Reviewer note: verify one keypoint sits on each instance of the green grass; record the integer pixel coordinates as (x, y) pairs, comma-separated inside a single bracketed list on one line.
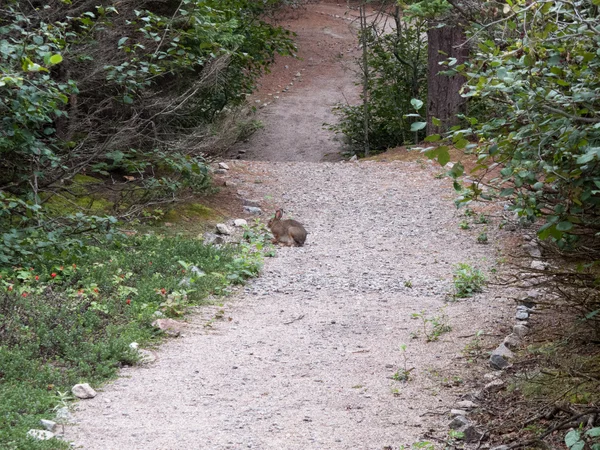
[(74, 323)]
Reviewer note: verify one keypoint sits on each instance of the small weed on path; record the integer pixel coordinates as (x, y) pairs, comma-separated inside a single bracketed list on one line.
[(433, 327), (467, 281)]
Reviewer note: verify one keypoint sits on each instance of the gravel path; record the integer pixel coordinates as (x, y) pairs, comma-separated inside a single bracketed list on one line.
[(307, 360)]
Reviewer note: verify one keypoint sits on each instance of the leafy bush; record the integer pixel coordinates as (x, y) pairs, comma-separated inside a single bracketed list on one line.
[(545, 126), (61, 324), (467, 280), (397, 68)]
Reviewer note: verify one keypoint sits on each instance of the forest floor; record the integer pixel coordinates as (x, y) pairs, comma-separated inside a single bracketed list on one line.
[(311, 355)]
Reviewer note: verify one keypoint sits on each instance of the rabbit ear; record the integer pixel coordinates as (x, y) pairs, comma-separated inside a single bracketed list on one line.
[(279, 214)]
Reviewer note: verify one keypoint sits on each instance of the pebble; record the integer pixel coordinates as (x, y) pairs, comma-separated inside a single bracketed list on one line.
[(240, 223), (466, 404), (40, 435), (520, 330), (83, 391), (223, 165), (223, 229), (253, 210), (49, 425), (64, 416), (458, 422)]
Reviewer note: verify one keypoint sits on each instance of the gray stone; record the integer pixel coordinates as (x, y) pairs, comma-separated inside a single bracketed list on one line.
[(533, 250), (458, 412), (223, 165), (520, 330), (223, 229), (298, 74), (512, 341), (498, 362), (83, 391), (354, 158), (472, 434), (250, 202), (494, 385), (538, 265), (466, 404), (64, 416), (458, 422), (522, 315), (503, 350), (213, 239), (253, 210), (146, 356), (49, 425), (40, 435), (242, 151), (240, 223)]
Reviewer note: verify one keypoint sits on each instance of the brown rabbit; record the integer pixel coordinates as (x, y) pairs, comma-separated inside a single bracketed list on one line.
[(287, 232)]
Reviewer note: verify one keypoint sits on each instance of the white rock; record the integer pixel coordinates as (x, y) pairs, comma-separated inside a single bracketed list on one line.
[(458, 412), (41, 435), (134, 345), (223, 165), (466, 404), (64, 416), (494, 385), (146, 356), (83, 390), (354, 158), (538, 265), (223, 229), (49, 425), (240, 222)]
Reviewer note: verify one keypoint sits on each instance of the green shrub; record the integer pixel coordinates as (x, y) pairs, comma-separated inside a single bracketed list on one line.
[(397, 67), (69, 323), (467, 280)]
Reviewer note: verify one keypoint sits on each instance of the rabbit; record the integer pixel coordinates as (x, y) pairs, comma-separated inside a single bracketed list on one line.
[(287, 232)]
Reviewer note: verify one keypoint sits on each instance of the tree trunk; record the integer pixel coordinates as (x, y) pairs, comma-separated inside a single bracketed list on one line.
[(443, 99)]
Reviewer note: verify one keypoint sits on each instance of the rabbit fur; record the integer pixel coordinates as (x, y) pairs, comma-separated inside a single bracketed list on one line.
[(287, 232)]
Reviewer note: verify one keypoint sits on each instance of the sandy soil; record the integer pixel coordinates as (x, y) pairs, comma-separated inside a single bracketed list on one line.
[(308, 359)]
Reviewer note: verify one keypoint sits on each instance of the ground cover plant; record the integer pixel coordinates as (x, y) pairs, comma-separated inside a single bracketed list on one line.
[(67, 322)]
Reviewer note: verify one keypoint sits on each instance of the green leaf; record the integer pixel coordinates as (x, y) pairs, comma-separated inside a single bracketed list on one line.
[(56, 59), (127, 100), (443, 156), (416, 103), (593, 432), (506, 192), (461, 143), (564, 226), (437, 122), (416, 126), (572, 437), (433, 138), (122, 41), (457, 170)]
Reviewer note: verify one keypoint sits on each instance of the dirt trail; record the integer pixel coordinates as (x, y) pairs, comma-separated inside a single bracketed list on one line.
[(293, 120), (308, 359)]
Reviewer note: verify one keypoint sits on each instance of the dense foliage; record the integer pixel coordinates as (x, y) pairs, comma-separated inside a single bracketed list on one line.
[(538, 70), (126, 93), (397, 66)]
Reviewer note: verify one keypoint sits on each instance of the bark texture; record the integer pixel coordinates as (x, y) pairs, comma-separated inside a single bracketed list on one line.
[(443, 98)]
